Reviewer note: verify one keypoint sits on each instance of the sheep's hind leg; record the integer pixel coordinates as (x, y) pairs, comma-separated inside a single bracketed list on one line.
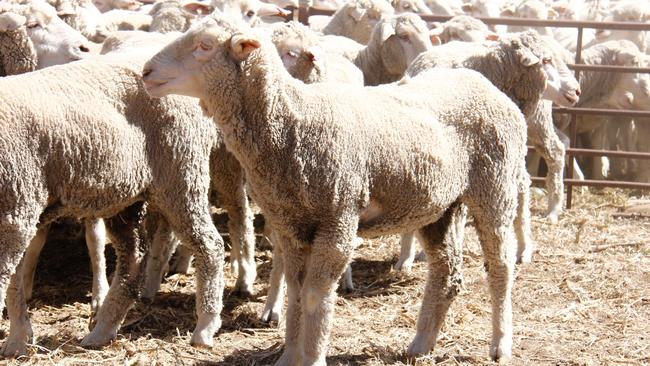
[(277, 288), (242, 237), (525, 243), (442, 243), (30, 259), (497, 240), (96, 243), (131, 248), (162, 246), (20, 329), (407, 252)]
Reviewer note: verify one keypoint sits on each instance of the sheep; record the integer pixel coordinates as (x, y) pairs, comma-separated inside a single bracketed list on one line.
[(118, 19), (174, 16), (526, 68), (299, 49), (356, 19), (329, 162), (608, 90), (83, 16), (108, 5), (461, 28), (411, 6), (81, 173), (394, 43), (625, 11), (17, 53), (250, 11), (54, 41)]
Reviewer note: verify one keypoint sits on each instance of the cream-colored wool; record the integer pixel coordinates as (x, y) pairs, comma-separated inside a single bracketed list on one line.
[(356, 19), (327, 162)]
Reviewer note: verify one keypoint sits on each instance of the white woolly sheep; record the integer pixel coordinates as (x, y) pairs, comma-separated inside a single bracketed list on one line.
[(54, 41), (462, 28), (17, 53), (80, 173), (175, 16), (327, 162), (411, 6), (626, 11), (357, 18), (250, 11), (394, 44), (118, 19), (83, 16)]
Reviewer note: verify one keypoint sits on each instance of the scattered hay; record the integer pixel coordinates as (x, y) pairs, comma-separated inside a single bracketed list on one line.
[(584, 301)]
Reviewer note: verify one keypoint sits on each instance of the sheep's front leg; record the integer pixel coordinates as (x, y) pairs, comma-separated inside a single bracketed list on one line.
[(294, 256), (442, 242), (20, 329), (330, 255), (276, 292), (96, 243), (242, 235), (525, 243), (130, 247)]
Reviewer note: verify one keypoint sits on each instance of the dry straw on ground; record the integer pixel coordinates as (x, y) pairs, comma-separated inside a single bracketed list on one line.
[(584, 301)]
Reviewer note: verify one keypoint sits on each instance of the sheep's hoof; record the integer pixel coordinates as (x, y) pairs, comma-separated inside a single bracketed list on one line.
[(418, 347), (501, 352), (95, 340), (243, 290), (404, 266), (525, 257), (207, 325), (421, 256), (15, 346), (287, 359), (271, 316)]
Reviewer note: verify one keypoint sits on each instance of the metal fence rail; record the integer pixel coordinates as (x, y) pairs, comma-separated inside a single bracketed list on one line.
[(303, 13)]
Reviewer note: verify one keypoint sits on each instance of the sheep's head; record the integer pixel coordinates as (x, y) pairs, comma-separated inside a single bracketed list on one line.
[(633, 89), (461, 28), (172, 16), (361, 16), (533, 50), (401, 38), (84, 16), (250, 11), (411, 6), (298, 49), (214, 46), (55, 41)]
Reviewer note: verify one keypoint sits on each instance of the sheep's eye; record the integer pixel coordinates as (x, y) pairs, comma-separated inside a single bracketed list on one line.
[(547, 61), (404, 36), (250, 13), (406, 6), (292, 54), (32, 25), (204, 46)]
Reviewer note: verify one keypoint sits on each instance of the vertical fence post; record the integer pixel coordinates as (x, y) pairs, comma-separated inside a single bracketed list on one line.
[(574, 125), (303, 11)]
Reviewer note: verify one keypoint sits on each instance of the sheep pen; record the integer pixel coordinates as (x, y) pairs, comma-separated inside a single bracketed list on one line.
[(583, 301)]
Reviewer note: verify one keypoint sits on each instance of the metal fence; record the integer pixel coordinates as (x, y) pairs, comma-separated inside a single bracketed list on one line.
[(303, 13)]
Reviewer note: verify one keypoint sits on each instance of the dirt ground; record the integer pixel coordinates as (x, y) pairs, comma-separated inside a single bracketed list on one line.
[(584, 301)]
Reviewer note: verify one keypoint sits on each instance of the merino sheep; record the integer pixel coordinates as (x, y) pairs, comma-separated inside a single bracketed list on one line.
[(66, 143), (394, 43), (328, 162), (17, 53), (250, 11), (462, 28), (357, 18), (175, 16), (527, 68), (83, 16), (54, 41), (301, 54), (411, 6), (626, 11)]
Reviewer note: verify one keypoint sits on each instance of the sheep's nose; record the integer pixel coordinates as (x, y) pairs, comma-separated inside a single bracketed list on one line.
[(83, 48), (578, 92), (146, 72)]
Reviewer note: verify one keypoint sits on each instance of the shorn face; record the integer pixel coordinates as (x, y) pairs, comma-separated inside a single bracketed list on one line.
[(213, 46)]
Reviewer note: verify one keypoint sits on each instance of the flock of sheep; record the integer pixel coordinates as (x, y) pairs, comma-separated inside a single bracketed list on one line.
[(286, 117)]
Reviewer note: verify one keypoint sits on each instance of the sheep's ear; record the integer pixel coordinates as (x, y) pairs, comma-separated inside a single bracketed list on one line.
[(268, 10), (435, 40), (527, 58), (11, 21), (356, 13), (242, 46), (492, 37), (317, 56), (386, 30), (197, 8)]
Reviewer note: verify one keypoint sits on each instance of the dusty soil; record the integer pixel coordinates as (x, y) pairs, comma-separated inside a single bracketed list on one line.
[(584, 301)]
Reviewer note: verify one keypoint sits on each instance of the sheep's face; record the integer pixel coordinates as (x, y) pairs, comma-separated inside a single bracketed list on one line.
[(250, 11), (633, 90), (402, 38), (463, 29), (84, 16), (561, 87), (55, 42), (212, 47)]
